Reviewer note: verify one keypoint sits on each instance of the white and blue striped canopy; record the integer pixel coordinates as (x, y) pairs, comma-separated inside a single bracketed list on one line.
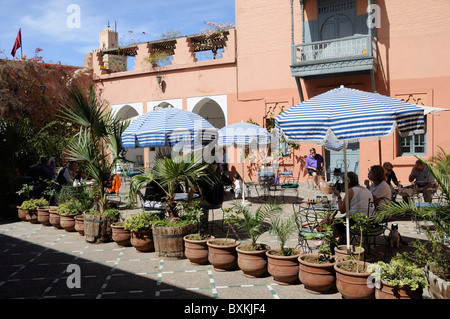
[(167, 127), (242, 134), (345, 114)]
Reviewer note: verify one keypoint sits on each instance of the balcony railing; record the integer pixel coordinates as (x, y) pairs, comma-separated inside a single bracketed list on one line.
[(351, 47)]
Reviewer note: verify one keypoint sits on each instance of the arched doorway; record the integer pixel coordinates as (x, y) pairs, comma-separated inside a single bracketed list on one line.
[(211, 111), (135, 155)]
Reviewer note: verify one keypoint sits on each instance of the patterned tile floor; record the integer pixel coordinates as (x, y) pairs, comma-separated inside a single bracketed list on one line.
[(40, 262)]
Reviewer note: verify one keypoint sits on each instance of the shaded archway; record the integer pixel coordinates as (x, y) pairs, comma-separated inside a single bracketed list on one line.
[(211, 111)]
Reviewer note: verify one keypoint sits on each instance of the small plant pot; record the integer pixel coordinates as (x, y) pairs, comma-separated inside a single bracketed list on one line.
[(222, 253), (387, 291), (196, 250), (55, 219), (317, 277), (68, 222), (22, 214), (283, 269), (352, 284), (142, 240), (121, 236), (253, 263), (32, 216), (79, 224), (341, 253), (44, 216)]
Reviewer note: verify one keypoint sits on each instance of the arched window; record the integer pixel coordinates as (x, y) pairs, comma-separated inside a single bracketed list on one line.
[(337, 26)]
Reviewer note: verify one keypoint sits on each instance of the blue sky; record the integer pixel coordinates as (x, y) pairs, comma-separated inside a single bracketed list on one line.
[(66, 36)]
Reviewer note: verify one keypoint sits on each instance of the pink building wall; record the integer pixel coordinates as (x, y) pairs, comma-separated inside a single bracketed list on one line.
[(254, 76)]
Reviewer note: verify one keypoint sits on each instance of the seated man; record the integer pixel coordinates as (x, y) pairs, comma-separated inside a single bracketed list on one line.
[(423, 180)]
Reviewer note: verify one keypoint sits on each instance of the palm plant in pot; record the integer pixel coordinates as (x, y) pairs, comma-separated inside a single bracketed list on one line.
[(317, 268), (434, 256), (252, 259), (171, 174), (196, 249), (283, 262), (351, 270), (222, 252)]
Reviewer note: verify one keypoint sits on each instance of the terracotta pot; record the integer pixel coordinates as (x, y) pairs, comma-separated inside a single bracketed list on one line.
[(387, 291), (68, 222), (55, 219), (283, 269), (253, 263), (341, 253), (353, 285), (196, 250), (438, 287), (320, 278), (44, 216), (121, 236), (22, 214), (32, 216), (222, 256), (79, 224), (142, 240)]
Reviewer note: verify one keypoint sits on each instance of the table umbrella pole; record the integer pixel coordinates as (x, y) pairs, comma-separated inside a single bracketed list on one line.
[(347, 217)]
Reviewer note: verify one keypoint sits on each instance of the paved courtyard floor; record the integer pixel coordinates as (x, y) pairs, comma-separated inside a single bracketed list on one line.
[(37, 262)]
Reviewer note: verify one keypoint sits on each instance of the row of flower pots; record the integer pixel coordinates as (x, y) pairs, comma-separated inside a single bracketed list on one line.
[(226, 254)]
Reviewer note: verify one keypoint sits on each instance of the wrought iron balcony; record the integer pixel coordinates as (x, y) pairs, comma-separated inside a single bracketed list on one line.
[(350, 54)]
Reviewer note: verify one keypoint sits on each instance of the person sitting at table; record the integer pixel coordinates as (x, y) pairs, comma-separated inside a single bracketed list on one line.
[(423, 181), (313, 165), (358, 198), (68, 174), (392, 178), (380, 190)]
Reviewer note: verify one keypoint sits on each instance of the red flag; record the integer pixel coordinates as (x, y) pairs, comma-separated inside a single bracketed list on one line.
[(17, 44)]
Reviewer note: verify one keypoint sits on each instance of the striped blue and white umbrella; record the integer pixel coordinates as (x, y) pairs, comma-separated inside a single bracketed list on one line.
[(345, 115), (243, 134), (167, 127)]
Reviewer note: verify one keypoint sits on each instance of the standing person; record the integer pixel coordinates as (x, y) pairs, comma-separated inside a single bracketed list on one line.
[(423, 180), (380, 190), (237, 185), (66, 175), (314, 164)]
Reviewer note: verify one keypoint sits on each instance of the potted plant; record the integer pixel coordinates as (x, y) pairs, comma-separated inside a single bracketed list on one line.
[(43, 212), (222, 252), (252, 259), (196, 249), (317, 268), (283, 262), (140, 225), (67, 212), (26, 189), (97, 225), (434, 256), (170, 175), (398, 279), (351, 270), (120, 235), (30, 208)]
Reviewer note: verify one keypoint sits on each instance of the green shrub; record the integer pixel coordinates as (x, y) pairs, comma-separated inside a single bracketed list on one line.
[(70, 207)]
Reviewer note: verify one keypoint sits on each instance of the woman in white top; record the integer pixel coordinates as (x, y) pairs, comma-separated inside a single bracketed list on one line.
[(237, 184), (358, 198), (380, 189)]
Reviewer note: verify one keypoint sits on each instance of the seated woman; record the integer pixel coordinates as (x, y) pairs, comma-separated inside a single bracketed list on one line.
[(358, 198), (380, 190)]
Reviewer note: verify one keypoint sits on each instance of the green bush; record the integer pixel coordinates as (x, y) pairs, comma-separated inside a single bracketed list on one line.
[(140, 221), (70, 207), (399, 272)]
